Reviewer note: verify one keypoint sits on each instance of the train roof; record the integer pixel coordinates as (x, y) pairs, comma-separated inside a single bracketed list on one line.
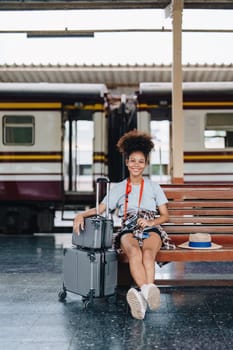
[(161, 93), (53, 90), (150, 88)]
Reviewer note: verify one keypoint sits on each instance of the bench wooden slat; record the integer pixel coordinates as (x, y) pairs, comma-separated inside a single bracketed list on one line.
[(216, 238), (201, 204), (179, 254), (204, 220), (198, 228), (194, 193), (201, 211)]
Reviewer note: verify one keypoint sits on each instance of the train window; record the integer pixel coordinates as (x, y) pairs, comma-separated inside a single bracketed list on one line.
[(85, 169), (18, 130), (215, 139), (218, 130)]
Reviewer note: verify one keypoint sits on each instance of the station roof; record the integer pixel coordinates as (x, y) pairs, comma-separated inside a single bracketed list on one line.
[(122, 78), (114, 76), (101, 4)]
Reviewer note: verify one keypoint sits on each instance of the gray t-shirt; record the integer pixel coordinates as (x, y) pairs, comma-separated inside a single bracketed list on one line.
[(152, 197)]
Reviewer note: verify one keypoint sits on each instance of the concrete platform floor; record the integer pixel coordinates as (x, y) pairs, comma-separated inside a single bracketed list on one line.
[(31, 317)]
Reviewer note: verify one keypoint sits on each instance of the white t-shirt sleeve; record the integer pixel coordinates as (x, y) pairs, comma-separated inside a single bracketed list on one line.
[(116, 196)]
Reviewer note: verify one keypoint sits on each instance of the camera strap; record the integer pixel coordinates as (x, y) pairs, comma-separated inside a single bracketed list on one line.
[(128, 189)]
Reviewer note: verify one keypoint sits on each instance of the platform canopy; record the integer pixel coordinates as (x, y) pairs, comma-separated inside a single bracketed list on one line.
[(10, 5), (121, 78)]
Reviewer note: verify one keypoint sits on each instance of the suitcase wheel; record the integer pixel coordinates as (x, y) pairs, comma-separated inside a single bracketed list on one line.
[(62, 295), (86, 303)]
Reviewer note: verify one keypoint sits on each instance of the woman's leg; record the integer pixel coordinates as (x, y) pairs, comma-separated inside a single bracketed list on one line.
[(149, 290), (150, 248), (131, 248), (136, 301)]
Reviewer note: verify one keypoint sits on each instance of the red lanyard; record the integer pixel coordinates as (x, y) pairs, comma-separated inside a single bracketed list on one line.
[(128, 189)]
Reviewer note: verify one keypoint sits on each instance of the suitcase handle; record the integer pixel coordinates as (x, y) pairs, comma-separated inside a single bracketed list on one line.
[(103, 179)]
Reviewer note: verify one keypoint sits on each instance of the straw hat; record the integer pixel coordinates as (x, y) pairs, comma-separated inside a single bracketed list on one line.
[(200, 241)]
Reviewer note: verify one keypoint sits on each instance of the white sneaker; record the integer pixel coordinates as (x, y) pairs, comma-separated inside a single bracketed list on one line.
[(137, 303), (151, 294)]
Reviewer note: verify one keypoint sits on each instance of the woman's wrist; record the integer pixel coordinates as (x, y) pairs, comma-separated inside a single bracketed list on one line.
[(153, 222), (80, 215)]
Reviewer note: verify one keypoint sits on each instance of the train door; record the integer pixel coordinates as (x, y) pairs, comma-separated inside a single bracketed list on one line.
[(78, 150), (84, 155)]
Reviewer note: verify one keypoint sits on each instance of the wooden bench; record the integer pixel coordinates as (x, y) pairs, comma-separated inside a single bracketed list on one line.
[(192, 209)]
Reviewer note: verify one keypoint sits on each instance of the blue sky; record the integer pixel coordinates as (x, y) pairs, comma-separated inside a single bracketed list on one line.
[(115, 48)]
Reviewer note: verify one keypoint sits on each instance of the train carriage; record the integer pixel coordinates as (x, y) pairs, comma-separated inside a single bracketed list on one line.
[(36, 151), (56, 139), (208, 127)]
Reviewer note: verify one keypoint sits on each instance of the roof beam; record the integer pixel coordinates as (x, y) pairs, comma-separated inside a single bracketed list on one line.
[(89, 33), (19, 5)]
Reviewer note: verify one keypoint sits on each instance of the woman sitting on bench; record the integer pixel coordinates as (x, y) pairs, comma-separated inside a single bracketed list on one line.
[(141, 237)]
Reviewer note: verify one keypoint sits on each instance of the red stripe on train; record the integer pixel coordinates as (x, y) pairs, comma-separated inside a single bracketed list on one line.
[(31, 190)]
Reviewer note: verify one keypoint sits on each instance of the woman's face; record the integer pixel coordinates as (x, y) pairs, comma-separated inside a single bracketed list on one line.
[(136, 163)]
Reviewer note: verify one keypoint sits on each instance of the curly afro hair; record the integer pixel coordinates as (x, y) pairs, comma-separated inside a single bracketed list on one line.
[(134, 141)]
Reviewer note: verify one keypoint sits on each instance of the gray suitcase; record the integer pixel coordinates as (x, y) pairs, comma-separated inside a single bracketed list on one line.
[(89, 273), (98, 230)]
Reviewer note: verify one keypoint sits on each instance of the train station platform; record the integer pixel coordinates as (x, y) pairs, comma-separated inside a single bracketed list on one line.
[(31, 316)]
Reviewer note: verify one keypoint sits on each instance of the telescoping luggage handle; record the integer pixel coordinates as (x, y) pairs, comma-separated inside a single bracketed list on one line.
[(105, 180)]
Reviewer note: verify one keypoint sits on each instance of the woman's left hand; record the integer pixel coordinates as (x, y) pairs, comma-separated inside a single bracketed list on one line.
[(144, 223)]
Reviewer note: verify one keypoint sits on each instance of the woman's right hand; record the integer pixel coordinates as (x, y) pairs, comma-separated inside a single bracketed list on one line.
[(79, 218), (78, 223)]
